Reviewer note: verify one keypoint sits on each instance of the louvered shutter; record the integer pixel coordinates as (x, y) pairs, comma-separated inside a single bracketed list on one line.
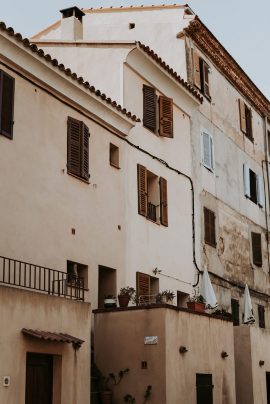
[(206, 87), (246, 177), (242, 112), (260, 191), (149, 108), (163, 202), (74, 146), (142, 190), (256, 249), (165, 116), (207, 150), (143, 284), (85, 152), (7, 84), (196, 70), (209, 227)]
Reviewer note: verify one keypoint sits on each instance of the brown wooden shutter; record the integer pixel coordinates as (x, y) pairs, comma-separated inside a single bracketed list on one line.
[(209, 227), (261, 311), (256, 249), (196, 70), (163, 202), (142, 190), (142, 284), (149, 107), (74, 146), (85, 152), (206, 87), (242, 112), (7, 85), (165, 116)]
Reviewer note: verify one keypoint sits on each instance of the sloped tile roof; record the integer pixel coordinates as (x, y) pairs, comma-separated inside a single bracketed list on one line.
[(53, 337)]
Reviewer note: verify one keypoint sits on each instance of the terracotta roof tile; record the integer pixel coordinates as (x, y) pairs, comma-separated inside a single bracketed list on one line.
[(67, 71), (53, 336)]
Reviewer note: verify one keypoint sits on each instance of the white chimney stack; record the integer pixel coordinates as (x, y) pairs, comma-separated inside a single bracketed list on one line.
[(71, 23)]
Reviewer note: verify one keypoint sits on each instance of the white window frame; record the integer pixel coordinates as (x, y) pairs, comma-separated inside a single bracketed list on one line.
[(211, 166)]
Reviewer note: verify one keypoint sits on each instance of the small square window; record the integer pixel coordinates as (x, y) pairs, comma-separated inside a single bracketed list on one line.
[(114, 155), (131, 25)]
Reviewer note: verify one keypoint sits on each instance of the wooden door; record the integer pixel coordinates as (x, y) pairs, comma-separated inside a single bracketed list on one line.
[(268, 387), (204, 388), (39, 378)]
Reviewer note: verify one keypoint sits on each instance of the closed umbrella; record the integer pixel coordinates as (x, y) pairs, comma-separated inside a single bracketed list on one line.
[(207, 291), (248, 310)]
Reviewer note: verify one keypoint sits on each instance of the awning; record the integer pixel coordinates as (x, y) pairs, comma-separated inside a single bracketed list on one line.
[(54, 337)]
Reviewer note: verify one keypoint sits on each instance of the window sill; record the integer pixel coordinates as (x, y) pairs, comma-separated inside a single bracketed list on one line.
[(7, 135), (214, 245), (115, 166), (152, 221), (208, 168), (78, 178)]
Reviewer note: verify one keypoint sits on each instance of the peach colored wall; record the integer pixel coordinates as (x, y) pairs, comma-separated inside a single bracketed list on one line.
[(24, 309)]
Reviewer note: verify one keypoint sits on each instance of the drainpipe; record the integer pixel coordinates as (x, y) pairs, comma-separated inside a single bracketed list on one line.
[(266, 186)]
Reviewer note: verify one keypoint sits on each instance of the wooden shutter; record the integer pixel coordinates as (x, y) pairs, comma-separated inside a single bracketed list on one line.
[(7, 84), (142, 284), (196, 70), (165, 116), (235, 311), (149, 107), (206, 87), (207, 150), (242, 112), (163, 201), (257, 249), (261, 314), (74, 146), (260, 191), (246, 177), (85, 152), (142, 190), (209, 227)]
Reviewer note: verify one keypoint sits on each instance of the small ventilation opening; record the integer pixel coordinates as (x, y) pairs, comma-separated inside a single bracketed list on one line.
[(132, 25), (72, 12)]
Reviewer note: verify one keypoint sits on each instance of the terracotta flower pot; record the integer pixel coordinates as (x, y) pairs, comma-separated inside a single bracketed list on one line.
[(196, 306), (106, 397), (123, 300)]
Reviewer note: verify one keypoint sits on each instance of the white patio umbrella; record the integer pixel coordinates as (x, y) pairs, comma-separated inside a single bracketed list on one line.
[(248, 310), (207, 291)]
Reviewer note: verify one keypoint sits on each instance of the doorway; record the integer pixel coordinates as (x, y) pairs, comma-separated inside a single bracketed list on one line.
[(39, 379), (106, 284), (268, 387), (204, 388)]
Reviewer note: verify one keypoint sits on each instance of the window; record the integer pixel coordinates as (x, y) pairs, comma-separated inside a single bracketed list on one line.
[(268, 138), (253, 186), (245, 119), (147, 288), (201, 75), (235, 311), (76, 272), (261, 311), (157, 119), (209, 227), (256, 249), (78, 149), (114, 155), (152, 196), (7, 84), (204, 388), (207, 150)]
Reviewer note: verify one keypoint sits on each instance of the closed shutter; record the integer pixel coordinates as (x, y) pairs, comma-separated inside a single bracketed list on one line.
[(165, 116), (196, 70), (142, 284), (85, 152), (7, 84), (260, 191), (163, 201), (246, 177), (257, 249), (206, 87), (261, 311), (209, 227), (74, 146), (235, 312), (149, 108), (142, 190), (242, 112), (207, 150)]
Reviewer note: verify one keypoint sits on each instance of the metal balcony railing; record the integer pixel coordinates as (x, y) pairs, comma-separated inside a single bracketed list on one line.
[(152, 212), (45, 280)]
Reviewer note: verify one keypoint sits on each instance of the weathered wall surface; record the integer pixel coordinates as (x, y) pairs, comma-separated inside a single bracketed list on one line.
[(24, 309)]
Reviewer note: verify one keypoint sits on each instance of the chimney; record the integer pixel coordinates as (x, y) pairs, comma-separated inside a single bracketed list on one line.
[(71, 23)]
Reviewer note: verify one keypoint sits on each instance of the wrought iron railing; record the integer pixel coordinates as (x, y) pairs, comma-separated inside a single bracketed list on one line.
[(45, 280), (152, 212)]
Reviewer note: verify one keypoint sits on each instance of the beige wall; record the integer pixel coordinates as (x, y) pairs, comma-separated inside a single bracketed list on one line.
[(24, 309), (172, 375)]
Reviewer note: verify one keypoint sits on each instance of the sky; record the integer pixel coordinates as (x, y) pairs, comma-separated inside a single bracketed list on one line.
[(241, 27)]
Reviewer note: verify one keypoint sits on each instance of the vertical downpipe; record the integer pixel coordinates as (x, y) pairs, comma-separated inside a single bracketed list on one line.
[(266, 147)]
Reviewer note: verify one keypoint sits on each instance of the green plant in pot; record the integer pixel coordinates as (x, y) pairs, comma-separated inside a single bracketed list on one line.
[(196, 301), (125, 295), (165, 297), (109, 301), (107, 383)]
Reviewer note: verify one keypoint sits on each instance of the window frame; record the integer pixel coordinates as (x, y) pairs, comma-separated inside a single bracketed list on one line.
[(235, 314), (256, 260), (208, 167), (8, 135), (261, 315), (211, 214), (114, 149)]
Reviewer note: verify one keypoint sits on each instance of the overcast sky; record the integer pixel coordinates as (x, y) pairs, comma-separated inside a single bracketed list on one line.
[(242, 26)]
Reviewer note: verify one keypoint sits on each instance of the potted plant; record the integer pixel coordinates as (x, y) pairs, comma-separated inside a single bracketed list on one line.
[(222, 313), (196, 302), (109, 301), (106, 393), (165, 297), (125, 295)]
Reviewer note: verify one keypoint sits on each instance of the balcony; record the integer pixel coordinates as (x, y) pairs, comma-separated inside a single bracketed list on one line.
[(41, 279)]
